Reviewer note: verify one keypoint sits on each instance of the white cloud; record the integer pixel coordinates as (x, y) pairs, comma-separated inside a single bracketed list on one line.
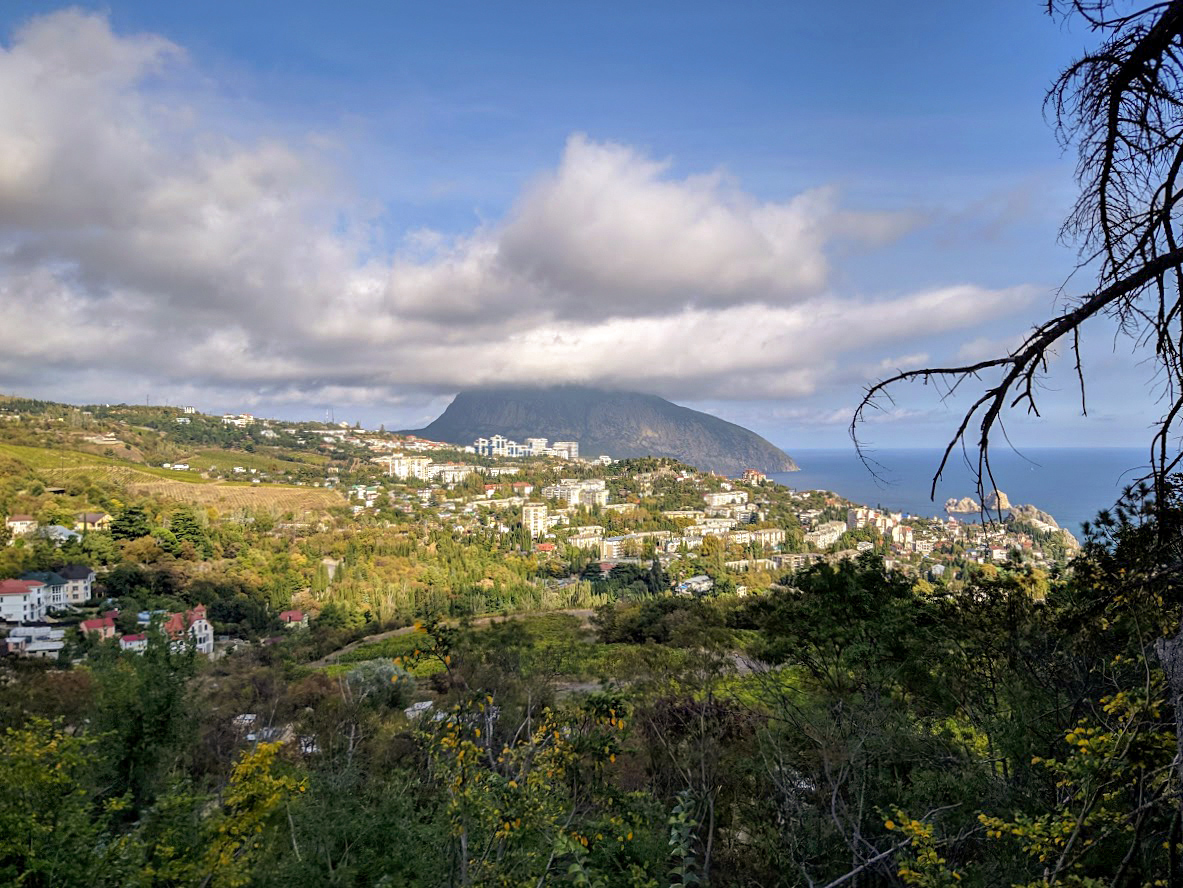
[(139, 239)]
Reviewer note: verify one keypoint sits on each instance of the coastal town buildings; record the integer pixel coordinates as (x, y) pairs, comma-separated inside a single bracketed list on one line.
[(21, 525), (22, 601), (534, 519)]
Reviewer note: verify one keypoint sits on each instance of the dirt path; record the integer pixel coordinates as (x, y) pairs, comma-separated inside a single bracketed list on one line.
[(584, 614)]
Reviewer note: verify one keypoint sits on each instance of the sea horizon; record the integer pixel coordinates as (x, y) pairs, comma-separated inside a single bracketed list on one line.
[(1072, 484)]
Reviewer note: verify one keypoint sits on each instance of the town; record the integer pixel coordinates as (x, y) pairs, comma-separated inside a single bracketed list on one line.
[(565, 522)]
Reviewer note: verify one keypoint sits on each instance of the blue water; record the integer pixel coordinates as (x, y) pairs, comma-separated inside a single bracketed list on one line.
[(1070, 483)]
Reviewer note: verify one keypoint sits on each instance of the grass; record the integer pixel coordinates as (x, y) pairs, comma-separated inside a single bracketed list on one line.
[(58, 461), (263, 461), (53, 458), (397, 646), (187, 487)]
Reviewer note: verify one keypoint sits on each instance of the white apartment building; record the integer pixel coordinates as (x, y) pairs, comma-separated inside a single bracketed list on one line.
[(770, 537), (574, 492), (569, 448), (499, 445), (585, 540), (399, 465), (725, 498), (534, 519), (450, 473), (56, 590), (22, 601), (827, 534)]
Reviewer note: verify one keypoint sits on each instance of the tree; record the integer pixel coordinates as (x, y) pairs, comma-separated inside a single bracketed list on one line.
[(258, 791), (657, 579), (130, 524), (47, 834), (1119, 106), (144, 708), (185, 526)]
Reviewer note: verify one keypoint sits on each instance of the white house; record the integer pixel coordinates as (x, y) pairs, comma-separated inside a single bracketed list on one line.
[(21, 525), (137, 643), (56, 588), (22, 601), (195, 623)]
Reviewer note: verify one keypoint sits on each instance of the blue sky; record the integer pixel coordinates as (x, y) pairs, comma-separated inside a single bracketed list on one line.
[(749, 208)]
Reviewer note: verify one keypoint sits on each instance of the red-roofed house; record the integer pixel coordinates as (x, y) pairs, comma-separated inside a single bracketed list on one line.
[(292, 618), (195, 623), (137, 643), (22, 601), (104, 626)]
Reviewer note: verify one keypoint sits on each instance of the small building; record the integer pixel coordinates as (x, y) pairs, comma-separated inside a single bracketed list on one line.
[(79, 582), (85, 521), (41, 642), (696, 585), (58, 534), (103, 627), (194, 623), (21, 525), (293, 618), (137, 643)]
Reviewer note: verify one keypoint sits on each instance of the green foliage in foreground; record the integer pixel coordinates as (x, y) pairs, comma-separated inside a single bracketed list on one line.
[(852, 728)]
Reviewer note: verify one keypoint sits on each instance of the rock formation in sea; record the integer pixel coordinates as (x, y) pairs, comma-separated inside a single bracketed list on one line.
[(996, 501)]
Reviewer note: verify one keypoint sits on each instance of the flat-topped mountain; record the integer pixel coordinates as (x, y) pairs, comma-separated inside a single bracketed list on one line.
[(616, 424)]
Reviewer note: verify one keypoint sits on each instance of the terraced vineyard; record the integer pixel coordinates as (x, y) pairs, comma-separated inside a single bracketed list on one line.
[(233, 497), (264, 460)]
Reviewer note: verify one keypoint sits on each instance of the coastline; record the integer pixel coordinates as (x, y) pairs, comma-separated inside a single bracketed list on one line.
[(1070, 484)]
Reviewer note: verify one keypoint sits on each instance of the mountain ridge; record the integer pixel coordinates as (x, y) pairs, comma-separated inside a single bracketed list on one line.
[(615, 423)]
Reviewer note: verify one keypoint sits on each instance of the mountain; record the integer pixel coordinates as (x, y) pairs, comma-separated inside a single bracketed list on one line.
[(616, 424)]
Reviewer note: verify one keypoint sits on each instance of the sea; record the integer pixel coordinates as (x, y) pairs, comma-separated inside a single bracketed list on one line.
[(1071, 484)]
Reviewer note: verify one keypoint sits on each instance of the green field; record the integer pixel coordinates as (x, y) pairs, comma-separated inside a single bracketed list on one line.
[(52, 461), (226, 460)]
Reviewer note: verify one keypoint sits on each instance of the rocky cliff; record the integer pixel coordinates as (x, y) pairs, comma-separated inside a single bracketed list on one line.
[(996, 501), (616, 424)]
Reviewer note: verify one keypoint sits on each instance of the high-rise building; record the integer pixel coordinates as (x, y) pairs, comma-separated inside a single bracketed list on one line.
[(534, 519), (571, 448)]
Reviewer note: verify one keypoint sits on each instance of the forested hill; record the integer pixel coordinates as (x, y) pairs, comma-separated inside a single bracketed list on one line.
[(618, 424)]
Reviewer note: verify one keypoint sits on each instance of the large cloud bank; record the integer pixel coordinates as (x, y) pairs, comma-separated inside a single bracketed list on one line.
[(140, 240)]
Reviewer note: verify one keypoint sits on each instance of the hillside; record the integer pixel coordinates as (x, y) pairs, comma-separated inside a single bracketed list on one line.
[(60, 466), (617, 424)]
